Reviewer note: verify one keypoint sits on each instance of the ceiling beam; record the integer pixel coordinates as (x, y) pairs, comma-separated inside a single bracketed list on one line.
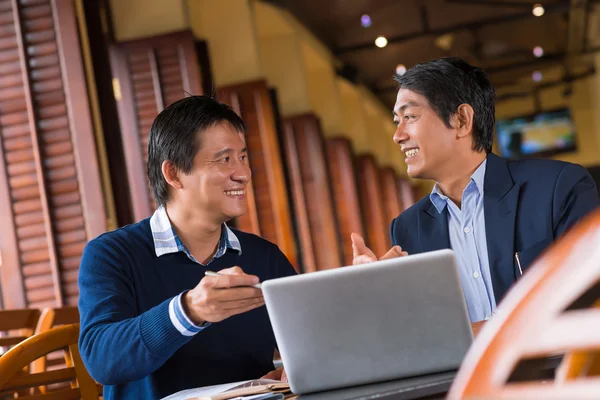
[(491, 3), (550, 58), (561, 7)]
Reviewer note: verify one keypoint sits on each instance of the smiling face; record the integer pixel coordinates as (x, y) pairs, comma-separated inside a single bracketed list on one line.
[(428, 144), (216, 185)]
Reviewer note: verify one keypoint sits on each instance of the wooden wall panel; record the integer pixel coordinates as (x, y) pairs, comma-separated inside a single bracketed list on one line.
[(407, 194), (151, 73), (371, 198), (268, 206), (51, 199), (391, 194), (345, 193), (311, 187)]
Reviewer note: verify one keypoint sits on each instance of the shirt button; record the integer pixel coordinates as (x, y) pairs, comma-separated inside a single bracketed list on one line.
[(475, 274), (467, 229)]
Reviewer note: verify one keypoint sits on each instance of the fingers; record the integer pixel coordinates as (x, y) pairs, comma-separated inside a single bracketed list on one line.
[(358, 244), (394, 252), (230, 277)]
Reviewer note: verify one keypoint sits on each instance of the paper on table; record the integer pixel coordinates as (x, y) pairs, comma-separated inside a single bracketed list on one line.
[(209, 391)]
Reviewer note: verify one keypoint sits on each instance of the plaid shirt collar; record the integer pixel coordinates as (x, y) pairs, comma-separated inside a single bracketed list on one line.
[(166, 240)]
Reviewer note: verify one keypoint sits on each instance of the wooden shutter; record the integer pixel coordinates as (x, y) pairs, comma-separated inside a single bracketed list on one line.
[(51, 200), (345, 193), (268, 206), (391, 194), (372, 205), (311, 188), (151, 74)]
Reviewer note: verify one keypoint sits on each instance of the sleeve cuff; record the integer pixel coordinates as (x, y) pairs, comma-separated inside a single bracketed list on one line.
[(180, 320)]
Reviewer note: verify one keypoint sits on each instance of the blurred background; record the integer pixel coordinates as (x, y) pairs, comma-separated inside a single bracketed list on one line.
[(81, 82)]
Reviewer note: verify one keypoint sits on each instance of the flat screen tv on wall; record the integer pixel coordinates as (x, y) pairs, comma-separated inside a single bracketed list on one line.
[(536, 135)]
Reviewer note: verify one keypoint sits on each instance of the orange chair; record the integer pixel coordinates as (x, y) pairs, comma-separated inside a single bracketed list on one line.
[(16, 326), (536, 319), (24, 353)]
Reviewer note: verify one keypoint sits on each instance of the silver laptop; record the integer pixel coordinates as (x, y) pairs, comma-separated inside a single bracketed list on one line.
[(370, 323)]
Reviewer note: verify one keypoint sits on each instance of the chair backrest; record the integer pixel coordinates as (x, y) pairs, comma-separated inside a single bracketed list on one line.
[(16, 326), (536, 319), (51, 317), (11, 363)]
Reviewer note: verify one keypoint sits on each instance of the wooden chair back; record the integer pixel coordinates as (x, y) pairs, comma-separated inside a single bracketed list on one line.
[(66, 336), (16, 326), (536, 319)]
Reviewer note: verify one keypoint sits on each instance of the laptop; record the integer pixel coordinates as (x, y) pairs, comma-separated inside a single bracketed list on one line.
[(370, 323)]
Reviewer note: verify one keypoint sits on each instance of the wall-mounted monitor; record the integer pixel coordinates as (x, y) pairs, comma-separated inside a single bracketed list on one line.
[(537, 135)]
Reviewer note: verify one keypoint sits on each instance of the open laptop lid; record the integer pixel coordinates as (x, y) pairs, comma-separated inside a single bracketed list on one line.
[(370, 323)]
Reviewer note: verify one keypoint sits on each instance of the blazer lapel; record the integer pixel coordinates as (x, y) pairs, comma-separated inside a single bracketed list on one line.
[(433, 228), (500, 201)]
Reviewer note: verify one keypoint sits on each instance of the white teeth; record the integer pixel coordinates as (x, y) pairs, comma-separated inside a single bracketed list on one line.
[(411, 153), (235, 192)]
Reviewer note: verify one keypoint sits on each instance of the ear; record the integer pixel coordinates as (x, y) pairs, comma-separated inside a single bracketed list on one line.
[(464, 120), (171, 174)]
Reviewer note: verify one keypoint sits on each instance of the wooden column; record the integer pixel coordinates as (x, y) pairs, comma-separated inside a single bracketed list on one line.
[(340, 160), (391, 194), (406, 192), (51, 199), (268, 205), (311, 188), (151, 74), (372, 205)]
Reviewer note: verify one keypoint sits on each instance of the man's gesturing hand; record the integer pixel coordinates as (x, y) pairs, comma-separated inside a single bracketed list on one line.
[(363, 255), (217, 298)]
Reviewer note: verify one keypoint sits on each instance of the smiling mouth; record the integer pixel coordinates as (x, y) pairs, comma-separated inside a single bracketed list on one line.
[(411, 153), (235, 192)]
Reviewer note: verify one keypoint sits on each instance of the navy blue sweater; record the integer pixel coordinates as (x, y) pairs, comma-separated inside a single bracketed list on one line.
[(127, 340)]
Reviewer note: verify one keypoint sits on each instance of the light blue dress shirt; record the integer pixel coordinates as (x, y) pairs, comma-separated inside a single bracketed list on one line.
[(466, 228)]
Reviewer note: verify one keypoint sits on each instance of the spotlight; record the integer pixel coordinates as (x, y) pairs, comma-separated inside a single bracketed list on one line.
[(538, 10), (538, 51), (381, 42), (365, 21), (537, 76), (400, 69)]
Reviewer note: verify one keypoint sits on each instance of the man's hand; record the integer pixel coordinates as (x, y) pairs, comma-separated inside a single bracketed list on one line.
[(217, 298), (363, 255), (278, 375)]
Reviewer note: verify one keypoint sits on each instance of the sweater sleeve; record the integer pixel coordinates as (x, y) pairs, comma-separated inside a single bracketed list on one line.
[(116, 344)]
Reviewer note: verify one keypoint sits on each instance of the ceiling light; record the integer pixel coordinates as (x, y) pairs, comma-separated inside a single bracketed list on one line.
[(538, 10), (365, 21), (400, 69), (537, 76), (381, 42), (538, 51)]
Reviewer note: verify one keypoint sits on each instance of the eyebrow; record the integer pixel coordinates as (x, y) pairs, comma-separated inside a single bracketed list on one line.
[(228, 150), (405, 106)]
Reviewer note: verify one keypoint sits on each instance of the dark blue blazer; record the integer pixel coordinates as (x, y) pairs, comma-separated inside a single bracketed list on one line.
[(527, 205)]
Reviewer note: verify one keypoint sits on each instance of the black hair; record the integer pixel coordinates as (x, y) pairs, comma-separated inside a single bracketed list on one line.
[(174, 136), (447, 83)]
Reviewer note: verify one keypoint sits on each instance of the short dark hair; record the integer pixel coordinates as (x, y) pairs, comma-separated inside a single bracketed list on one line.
[(447, 83), (174, 136)]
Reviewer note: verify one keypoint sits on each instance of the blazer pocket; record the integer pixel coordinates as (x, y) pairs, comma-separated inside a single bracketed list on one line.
[(530, 254)]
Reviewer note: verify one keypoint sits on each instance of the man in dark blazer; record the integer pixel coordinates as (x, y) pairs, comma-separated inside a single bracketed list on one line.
[(497, 215)]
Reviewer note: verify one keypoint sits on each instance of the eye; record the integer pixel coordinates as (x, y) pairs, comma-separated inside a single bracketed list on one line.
[(226, 159), (409, 116), (244, 157)]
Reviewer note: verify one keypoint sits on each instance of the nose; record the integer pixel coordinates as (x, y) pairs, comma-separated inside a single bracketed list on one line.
[(400, 136), (241, 173)]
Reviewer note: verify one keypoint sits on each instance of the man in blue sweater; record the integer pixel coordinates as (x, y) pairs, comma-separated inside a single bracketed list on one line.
[(152, 323)]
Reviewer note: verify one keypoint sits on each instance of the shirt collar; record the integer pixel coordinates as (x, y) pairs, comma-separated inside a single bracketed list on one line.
[(440, 200), (166, 240)]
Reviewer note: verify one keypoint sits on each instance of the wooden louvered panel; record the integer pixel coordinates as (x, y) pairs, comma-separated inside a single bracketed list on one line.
[(152, 74), (48, 175), (313, 204), (406, 193), (268, 206), (345, 193), (372, 205), (390, 191)]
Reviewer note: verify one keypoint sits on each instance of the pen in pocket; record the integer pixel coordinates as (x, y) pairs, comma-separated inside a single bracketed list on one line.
[(518, 262)]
